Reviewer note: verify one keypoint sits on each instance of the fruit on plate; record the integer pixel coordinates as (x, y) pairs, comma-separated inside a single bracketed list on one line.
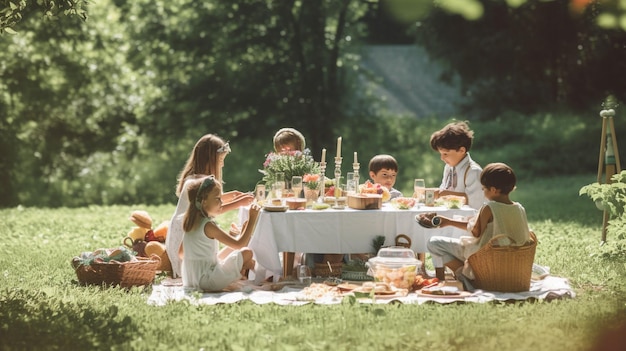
[(322, 206), (403, 203), (421, 282), (451, 201), (374, 188), (331, 191)]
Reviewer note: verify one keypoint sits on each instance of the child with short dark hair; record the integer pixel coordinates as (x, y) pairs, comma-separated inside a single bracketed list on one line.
[(289, 139), (499, 215), (383, 169), (460, 174)]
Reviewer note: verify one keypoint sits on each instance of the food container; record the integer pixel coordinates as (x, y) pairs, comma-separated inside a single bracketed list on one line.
[(396, 266), (365, 201), (295, 203)]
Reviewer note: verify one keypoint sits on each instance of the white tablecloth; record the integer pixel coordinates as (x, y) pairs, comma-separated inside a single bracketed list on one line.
[(338, 231)]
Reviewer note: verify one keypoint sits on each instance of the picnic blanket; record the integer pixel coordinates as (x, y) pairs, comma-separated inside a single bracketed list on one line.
[(289, 293)]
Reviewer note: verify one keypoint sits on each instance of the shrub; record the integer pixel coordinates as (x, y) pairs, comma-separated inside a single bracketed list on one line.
[(612, 198)]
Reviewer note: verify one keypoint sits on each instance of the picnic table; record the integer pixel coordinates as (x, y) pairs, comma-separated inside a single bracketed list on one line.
[(333, 231)]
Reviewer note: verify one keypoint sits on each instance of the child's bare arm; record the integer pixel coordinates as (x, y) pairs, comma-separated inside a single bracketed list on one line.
[(212, 231), (482, 219), (445, 221), (243, 199), (229, 196)]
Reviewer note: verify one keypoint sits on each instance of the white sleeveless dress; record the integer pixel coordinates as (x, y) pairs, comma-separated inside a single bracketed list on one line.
[(201, 269), (175, 232)]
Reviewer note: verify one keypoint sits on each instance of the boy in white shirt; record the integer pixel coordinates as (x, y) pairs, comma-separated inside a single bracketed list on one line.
[(461, 175)]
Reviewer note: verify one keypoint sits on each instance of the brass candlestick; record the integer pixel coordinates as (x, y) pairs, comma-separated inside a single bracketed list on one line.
[(320, 198), (337, 183)]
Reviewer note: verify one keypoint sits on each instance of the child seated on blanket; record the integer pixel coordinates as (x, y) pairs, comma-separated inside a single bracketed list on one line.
[(499, 215), (207, 157), (202, 267)]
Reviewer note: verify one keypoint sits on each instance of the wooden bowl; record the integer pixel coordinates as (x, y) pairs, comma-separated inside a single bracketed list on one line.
[(365, 201), (295, 203)]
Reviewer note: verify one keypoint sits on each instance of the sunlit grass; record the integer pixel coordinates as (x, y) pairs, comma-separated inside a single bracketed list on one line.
[(41, 307)]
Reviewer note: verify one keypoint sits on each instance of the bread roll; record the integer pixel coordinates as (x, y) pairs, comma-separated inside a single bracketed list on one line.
[(142, 219)]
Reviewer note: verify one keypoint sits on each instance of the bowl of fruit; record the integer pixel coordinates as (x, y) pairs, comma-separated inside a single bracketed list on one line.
[(396, 266)]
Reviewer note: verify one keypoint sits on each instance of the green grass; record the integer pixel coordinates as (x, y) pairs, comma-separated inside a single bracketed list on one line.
[(42, 307)]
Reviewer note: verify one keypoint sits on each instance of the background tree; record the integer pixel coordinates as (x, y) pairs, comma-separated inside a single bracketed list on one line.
[(242, 71), (106, 111), (67, 94), (536, 57), (12, 11)]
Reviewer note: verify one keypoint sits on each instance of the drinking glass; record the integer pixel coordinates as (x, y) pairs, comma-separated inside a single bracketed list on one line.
[(296, 185), (260, 192), (419, 188), (279, 185), (350, 183), (277, 189), (303, 273)]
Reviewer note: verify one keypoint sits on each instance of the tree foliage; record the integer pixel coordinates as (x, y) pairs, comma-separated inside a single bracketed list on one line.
[(106, 111), (67, 92), (529, 58), (110, 108), (243, 67), (12, 11)]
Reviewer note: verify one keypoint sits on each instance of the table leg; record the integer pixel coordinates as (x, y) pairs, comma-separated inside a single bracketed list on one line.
[(422, 257), (288, 258)]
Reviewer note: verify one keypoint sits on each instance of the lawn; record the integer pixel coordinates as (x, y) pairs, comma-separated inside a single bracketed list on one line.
[(42, 307)]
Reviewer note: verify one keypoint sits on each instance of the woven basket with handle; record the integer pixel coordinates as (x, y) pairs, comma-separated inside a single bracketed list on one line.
[(503, 268), (403, 240), (322, 270), (124, 274)]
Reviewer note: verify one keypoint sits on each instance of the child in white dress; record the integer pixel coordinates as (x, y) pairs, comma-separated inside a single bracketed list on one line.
[(202, 267), (207, 157)]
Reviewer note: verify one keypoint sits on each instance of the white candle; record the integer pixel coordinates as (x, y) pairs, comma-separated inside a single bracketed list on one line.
[(339, 147), (324, 155), (355, 159)]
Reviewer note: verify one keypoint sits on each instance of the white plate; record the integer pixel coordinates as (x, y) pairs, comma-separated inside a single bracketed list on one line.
[(275, 208)]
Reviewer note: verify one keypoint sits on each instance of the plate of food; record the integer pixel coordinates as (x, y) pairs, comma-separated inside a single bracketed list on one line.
[(439, 291), (379, 288), (274, 208), (403, 203), (428, 220), (320, 206), (451, 201), (347, 287)]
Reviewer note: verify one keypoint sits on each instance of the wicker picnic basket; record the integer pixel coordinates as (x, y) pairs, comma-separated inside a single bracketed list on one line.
[(403, 240), (124, 274), (503, 268), (322, 270)]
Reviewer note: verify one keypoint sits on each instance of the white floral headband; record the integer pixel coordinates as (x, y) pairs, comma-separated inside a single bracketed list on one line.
[(208, 182), (224, 149)]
